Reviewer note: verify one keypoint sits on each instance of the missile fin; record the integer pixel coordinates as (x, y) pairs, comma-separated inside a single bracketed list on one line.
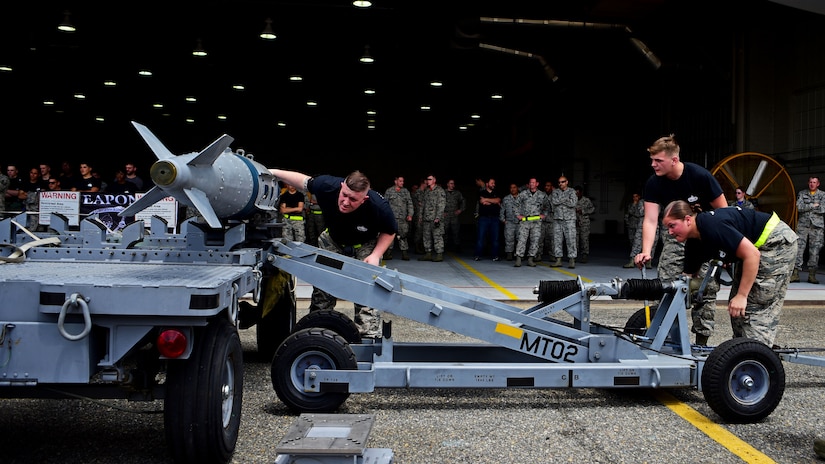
[(160, 151), (150, 198), (208, 155), (201, 203)]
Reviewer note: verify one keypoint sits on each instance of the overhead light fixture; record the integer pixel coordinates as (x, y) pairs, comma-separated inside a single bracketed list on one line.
[(199, 50), (5, 68), (436, 83), (79, 96), (145, 72), (109, 83), (268, 33), (295, 78), (190, 99), (369, 91), (367, 57), (66, 25), (238, 87), (653, 59), (361, 3)]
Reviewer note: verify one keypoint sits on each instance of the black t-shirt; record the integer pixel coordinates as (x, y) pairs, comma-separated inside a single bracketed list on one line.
[(492, 210), (696, 185), (359, 226), (722, 230), (291, 200), (82, 184)]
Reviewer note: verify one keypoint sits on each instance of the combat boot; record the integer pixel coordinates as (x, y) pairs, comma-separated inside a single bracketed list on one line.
[(438, 258), (630, 264), (812, 276), (537, 258), (404, 255), (702, 339), (795, 275), (583, 259), (387, 255), (530, 261), (509, 256), (426, 257), (518, 262), (557, 263), (572, 264)]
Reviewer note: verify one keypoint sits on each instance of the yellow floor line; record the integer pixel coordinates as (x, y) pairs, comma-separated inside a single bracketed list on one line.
[(713, 430), (481, 276)]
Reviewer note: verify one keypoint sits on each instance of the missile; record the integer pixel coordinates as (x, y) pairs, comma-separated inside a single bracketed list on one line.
[(219, 183)]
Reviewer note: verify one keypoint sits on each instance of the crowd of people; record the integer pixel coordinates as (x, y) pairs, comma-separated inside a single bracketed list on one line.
[(19, 194)]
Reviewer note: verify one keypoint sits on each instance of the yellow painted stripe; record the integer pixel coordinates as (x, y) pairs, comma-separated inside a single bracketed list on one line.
[(571, 274), (481, 276), (713, 430), (509, 330)]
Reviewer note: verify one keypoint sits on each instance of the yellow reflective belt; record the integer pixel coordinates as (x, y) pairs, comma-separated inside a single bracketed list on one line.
[(294, 218), (533, 218), (317, 211), (769, 227)]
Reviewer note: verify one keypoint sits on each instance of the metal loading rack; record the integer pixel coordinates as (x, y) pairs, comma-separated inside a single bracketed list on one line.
[(322, 362)]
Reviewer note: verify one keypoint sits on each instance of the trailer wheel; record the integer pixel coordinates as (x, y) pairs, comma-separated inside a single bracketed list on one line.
[(333, 320), (743, 380), (202, 407), (277, 293), (307, 349), (636, 323)]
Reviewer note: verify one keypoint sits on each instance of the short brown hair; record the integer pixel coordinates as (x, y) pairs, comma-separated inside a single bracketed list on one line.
[(357, 181), (667, 144)]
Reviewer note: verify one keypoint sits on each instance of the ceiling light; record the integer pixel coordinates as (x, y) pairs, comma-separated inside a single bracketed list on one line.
[(222, 117), (369, 91), (366, 57), (312, 103), (281, 124), (157, 105), (295, 78), (199, 50), (109, 83), (496, 96), (145, 72), (48, 102), (66, 25), (436, 83), (362, 3), (5, 68), (191, 99), (239, 87), (371, 112), (190, 121), (426, 107), (99, 119), (268, 33), (80, 96), (475, 116)]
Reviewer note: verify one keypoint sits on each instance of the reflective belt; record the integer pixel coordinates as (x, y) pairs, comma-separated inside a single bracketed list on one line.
[(531, 218), (769, 227), (316, 211), (294, 218)]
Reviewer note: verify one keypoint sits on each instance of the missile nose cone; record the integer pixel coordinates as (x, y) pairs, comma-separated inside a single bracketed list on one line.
[(163, 173)]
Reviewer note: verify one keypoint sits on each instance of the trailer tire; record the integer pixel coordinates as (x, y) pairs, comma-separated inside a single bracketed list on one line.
[(333, 320), (743, 380), (636, 323), (202, 406), (277, 323), (312, 348)]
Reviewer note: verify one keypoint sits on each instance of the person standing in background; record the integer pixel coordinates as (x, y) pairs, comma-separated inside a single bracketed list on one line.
[(634, 214), (401, 202), (452, 217), (434, 200), (489, 211), (509, 217), (291, 207), (564, 202), (810, 206), (532, 208), (546, 240), (741, 200), (314, 219), (584, 208)]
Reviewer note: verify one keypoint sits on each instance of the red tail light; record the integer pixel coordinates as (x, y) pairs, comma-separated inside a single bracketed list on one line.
[(172, 343)]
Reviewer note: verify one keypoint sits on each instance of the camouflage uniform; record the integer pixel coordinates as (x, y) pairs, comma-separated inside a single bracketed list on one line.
[(633, 217), (294, 222), (809, 227), (671, 268), (508, 216), (546, 241), (564, 222), (4, 185), (367, 319), (401, 203), (584, 208), (32, 204), (432, 207), (452, 224), (418, 201), (314, 220), (531, 206), (769, 288)]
